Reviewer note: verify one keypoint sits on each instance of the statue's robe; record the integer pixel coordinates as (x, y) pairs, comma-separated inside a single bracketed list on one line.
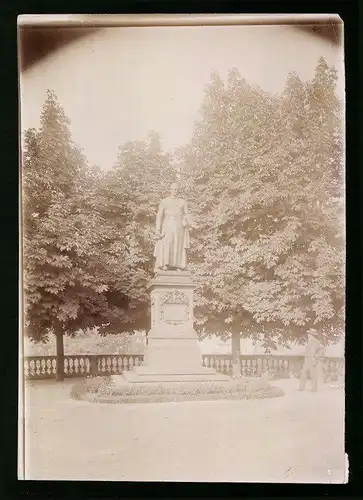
[(172, 223)]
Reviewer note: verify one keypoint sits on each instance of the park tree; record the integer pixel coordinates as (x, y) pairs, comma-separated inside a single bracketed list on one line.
[(68, 275), (264, 176)]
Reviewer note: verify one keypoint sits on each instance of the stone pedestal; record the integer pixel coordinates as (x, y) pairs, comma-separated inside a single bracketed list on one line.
[(173, 353)]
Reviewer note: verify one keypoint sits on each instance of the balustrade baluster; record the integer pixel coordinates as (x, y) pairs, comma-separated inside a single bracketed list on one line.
[(248, 367), (108, 364), (259, 367), (49, 367), (114, 364), (125, 363)]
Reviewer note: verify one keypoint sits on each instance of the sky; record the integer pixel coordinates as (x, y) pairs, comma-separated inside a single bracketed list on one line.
[(119, 83)]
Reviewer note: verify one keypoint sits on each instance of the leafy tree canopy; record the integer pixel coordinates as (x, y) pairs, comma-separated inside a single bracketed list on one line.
[(264, 176), (68, 274)]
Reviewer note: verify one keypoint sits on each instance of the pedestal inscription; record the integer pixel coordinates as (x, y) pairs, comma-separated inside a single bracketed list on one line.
[(174, 308)]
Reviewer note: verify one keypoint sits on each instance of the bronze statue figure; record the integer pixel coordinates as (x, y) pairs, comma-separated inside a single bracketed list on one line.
[(172, 229)]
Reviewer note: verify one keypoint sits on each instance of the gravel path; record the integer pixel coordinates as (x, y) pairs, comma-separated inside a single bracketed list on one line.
[(295, 438)]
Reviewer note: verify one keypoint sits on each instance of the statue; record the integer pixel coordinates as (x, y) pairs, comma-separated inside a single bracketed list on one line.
[(172, 230)]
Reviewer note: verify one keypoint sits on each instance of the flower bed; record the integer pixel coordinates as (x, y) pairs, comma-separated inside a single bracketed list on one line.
[(104, 390)]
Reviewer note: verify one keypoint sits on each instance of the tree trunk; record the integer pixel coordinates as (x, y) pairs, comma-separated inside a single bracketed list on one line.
[(60, 354), (236, 353)]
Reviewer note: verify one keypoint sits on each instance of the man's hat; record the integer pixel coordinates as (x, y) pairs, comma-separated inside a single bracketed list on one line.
[(312, 331)]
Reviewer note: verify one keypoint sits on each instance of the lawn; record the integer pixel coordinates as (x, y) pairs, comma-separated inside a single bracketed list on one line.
[(295, 438)]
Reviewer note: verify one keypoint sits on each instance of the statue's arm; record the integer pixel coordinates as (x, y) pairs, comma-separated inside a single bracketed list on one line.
[(160, 217)]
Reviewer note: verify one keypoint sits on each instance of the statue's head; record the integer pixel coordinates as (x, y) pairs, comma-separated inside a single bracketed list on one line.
[(174, 189)]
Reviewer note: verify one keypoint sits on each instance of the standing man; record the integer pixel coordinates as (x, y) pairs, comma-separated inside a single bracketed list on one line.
[(314, 352)]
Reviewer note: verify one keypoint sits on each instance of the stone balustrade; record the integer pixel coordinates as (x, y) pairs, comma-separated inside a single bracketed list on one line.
[(281, 366)]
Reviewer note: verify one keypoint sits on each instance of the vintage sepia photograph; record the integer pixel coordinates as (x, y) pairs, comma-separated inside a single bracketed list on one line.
[(182, 294)]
